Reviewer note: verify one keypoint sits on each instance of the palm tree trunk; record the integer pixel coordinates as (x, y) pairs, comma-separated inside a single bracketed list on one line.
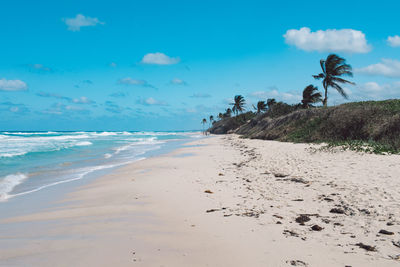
[(325, 101)]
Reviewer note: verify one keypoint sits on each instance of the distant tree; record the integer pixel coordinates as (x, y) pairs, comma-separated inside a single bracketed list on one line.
[(238, 104), (271, 102), (220, 115), (211, 119), (228, 113), (204, 121), (261, 106), (332, 68), (311, 96)]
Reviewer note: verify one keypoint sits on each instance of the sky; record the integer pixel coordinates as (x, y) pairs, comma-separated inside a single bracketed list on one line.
[(165, 65)]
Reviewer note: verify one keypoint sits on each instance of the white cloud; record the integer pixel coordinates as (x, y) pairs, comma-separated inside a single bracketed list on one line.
[(331, 40), (387, 67), (371, 87), (394, 41), (200, 95), (39, 68), (13, 107), (12, 85), (74, 108), (82, 100), (279, 96), (178, 81), (75, 24), (79, 100), (159, 59), (130, 81), (119, 94), (113, 64), (152, 102), (375, 91)]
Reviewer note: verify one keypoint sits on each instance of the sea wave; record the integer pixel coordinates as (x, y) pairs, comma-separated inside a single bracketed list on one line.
[(84, 143), (104, 134), (30, 133), (8, 183), (81, 174), (137, 142)]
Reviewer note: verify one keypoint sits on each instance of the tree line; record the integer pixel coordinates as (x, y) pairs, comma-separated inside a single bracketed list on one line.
[(333, 68)]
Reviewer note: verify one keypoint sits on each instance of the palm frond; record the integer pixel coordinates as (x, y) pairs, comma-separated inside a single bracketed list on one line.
[(340, 80), (340, 90), (319, 76)]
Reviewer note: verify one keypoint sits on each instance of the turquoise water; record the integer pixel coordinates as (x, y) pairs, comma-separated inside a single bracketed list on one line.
[(33, 161)]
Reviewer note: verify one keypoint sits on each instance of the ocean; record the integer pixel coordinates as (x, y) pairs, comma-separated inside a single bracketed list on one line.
[(34, 161)]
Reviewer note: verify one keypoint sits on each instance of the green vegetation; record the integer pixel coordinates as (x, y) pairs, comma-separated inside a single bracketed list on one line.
[(261, 107), (361, 146), (369, 126)]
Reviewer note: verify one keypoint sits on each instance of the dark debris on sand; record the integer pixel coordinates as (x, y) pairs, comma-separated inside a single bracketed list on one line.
[(316, 227), (384, 232), (397, 244), (297, 263), (302, 219), (291, 233), (337, 211), (366, 247), (280, 175), (297, 180)]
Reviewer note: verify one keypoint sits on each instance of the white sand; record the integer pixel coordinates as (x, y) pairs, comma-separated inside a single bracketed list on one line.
[(153, 212)]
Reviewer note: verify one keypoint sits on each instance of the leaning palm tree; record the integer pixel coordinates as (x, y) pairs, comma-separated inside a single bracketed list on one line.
[(271, 102), (332, 68), (238, 105), (261, 106), (204, 121), (311, 96)]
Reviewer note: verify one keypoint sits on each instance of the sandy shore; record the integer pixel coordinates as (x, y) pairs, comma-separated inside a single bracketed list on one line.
[(222, 201)]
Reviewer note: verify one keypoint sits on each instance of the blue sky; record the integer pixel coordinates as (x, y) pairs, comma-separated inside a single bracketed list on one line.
[(164, 65)]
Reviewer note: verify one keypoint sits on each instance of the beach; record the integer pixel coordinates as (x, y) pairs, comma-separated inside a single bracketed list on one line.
[(221, 201)]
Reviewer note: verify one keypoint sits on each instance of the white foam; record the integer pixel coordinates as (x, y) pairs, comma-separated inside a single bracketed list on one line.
[(8, 183), (84, 143), (107, 155), (104, 134), (12, 154), (83, 173), (30, 133), (21, 145)]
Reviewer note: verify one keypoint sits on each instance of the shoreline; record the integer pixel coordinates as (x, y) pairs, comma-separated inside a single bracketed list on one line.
[(156, 212), (48, 195)]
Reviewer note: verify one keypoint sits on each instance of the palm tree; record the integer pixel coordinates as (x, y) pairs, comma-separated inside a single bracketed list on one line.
[(211, 119), (204, 121), (311, 96), (228, 113), (271, 102), (238, 105), (261, 106), (332, 68)]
